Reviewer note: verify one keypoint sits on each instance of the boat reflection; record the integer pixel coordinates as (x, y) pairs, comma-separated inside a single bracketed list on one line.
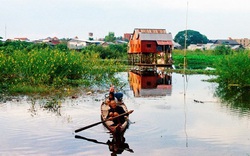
[(150, 83), (116, 145)]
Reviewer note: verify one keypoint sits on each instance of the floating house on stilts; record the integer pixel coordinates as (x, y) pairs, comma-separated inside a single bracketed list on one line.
[(150, 55)]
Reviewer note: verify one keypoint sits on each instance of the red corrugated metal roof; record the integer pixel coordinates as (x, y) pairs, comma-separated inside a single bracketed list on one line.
[(151, 31), (164, 42)]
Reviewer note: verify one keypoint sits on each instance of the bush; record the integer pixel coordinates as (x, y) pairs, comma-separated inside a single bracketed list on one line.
[(234, 69), (222, 50), (51, 67), (195, 59)]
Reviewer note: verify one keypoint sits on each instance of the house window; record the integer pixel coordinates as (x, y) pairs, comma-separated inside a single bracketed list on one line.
[(148, 83), (148, 45)]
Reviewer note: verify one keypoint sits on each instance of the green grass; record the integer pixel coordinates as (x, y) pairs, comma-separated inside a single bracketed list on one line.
[(195, 59), (45, 70)]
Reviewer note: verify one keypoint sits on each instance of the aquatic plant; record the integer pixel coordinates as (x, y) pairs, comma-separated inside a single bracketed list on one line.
[(195, 59), (234, 80), (234, 70), (53, 104), (47, 70)]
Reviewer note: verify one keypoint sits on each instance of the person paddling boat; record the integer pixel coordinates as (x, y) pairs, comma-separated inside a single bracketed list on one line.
[(112, 109)]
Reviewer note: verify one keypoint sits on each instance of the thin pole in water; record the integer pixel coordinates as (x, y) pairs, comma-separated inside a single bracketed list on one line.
[(184, 74)]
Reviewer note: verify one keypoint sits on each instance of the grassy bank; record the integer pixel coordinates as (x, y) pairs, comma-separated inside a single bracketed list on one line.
[(50, 70)]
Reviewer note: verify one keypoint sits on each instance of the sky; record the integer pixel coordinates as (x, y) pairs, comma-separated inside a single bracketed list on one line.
[(38, 19)]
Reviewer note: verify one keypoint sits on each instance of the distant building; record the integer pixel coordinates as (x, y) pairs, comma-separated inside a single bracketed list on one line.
[(209, 46), (106, 44), (80, 44), (120, 42), (54, 41), (176, 45), (227, 42), (245, 42), (49, 40), (21, 39), (95, 42), (214, 43), (196, 47), (127, 36), (76, 44)]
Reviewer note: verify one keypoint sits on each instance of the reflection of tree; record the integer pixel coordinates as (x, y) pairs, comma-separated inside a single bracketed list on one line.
[(32, 109), (235, 97), (52, 105)]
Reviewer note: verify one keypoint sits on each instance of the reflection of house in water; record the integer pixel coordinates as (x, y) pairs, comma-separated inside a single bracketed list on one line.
[(150, 54), (150, 84)]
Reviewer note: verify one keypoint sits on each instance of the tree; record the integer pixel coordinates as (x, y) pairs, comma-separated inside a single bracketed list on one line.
[(193, 37), (119, 38), (222, 50), (110, 37), (1, 40)]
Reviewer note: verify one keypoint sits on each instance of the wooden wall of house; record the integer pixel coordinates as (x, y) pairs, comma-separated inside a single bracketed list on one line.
[(148, 47), (139, 82), (148, 82), (134, 46), (137, 46), (135, 83)]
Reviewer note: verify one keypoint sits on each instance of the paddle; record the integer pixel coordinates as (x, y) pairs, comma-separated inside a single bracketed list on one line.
[(92, 125), (91, 140)]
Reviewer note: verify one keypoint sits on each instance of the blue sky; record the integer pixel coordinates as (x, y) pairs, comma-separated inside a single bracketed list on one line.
[(36, 19)]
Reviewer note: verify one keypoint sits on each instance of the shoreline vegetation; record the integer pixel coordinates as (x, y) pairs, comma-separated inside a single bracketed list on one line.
[(41, 69)]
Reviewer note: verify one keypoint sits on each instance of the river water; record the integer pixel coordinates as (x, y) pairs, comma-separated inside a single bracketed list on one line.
[(188, 120)]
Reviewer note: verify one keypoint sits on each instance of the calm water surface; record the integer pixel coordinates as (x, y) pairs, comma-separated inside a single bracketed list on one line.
[(166, 125)]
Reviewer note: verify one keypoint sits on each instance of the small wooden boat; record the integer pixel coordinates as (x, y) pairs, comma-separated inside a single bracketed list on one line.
[(109, 124)]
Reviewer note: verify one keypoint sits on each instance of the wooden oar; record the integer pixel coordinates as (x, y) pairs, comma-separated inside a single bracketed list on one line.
[(91, 140), (92, 125)]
